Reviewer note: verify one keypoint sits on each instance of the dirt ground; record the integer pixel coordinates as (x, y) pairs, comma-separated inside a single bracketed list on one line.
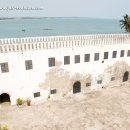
[(103, 109)]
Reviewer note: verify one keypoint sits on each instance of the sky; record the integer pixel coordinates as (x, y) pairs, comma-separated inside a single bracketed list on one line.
[(108, 9)]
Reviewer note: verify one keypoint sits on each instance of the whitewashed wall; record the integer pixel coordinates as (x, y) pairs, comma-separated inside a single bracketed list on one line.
[(19, 82)]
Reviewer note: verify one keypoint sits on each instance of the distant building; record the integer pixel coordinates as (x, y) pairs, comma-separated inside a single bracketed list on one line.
[(39, 67)]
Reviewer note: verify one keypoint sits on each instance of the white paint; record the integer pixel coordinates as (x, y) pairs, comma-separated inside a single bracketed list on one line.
[(19, 82)]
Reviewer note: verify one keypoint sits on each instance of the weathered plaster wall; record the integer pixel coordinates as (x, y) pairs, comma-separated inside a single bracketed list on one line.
[(60, 79), (19, 82)]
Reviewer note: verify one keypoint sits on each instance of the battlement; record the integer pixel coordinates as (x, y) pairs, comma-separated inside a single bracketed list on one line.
[(51, 42)]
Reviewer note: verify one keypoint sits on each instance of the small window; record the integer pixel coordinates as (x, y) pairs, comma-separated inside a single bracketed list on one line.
[(128, 53), (105, 55), (53, 91), (37, 94), (77, 58), (66, 60), (99, 81), (96, 57), (122, 53), (51, 61), (4, 67), (28, 64), (114, 54), (86, 57), (88, 84), (112, 78)]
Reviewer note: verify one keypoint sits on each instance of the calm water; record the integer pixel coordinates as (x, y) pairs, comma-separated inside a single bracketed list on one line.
[(57, 26)]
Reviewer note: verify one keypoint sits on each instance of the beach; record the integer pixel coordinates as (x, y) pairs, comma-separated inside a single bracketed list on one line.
[(102, 109)]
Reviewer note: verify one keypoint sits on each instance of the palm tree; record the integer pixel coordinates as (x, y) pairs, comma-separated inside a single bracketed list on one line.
[(125, 23)]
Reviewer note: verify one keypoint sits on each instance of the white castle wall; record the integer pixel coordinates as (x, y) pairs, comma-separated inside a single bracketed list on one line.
[(19, 82)]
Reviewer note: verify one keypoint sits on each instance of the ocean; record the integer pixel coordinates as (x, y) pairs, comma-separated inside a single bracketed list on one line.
[(16, 28)]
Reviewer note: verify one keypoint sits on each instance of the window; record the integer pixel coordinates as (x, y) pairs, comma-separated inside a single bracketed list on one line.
[(114, 54), (122, 53), (88, 84), (112, 78), (53, 91), (28, 64), (128, 53), (66, 60), (105, 55), (37, 94), (4, 67), (99, 81), (77, 58), (86, 57), (96, 57), (51, 61)]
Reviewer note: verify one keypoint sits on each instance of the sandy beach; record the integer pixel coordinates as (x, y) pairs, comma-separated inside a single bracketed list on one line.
[(102, 109)]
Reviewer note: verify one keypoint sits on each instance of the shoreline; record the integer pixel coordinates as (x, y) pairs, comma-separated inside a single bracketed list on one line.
[(6, 18)]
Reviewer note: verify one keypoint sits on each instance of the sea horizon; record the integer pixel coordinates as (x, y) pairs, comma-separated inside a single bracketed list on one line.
[(55, 17)]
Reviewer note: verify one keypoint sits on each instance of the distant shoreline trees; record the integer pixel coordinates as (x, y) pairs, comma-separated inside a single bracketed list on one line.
[(125, 23)]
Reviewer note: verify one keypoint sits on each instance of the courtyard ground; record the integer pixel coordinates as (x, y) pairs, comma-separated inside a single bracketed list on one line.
[(102, 109)]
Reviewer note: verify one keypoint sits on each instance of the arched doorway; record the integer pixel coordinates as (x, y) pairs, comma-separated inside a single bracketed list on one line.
[(4, 98), (77, 87), (125, 76)]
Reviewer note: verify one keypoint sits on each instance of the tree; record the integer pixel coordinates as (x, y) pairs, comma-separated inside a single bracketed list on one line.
[(125, 23)]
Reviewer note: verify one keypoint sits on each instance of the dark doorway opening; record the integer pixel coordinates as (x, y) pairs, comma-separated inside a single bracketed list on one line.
[(4, 98), (125, 77), (77, 87)]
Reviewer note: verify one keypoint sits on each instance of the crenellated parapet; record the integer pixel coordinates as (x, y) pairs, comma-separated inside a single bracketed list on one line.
[(51, 42)]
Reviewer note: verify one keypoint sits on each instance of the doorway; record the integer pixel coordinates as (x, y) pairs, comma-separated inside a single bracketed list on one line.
[(125, 76), (76, 87), (4, 98)]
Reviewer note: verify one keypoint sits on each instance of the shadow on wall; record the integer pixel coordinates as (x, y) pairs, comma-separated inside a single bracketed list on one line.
[(60, 79)]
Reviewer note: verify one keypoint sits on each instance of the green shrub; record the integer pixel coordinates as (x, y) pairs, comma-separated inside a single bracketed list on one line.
[(64, 94), (4, 127), (49, 96), (19, 101)]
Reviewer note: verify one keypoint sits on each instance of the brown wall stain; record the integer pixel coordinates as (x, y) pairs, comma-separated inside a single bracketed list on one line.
[(118, 69), (60, 79)]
